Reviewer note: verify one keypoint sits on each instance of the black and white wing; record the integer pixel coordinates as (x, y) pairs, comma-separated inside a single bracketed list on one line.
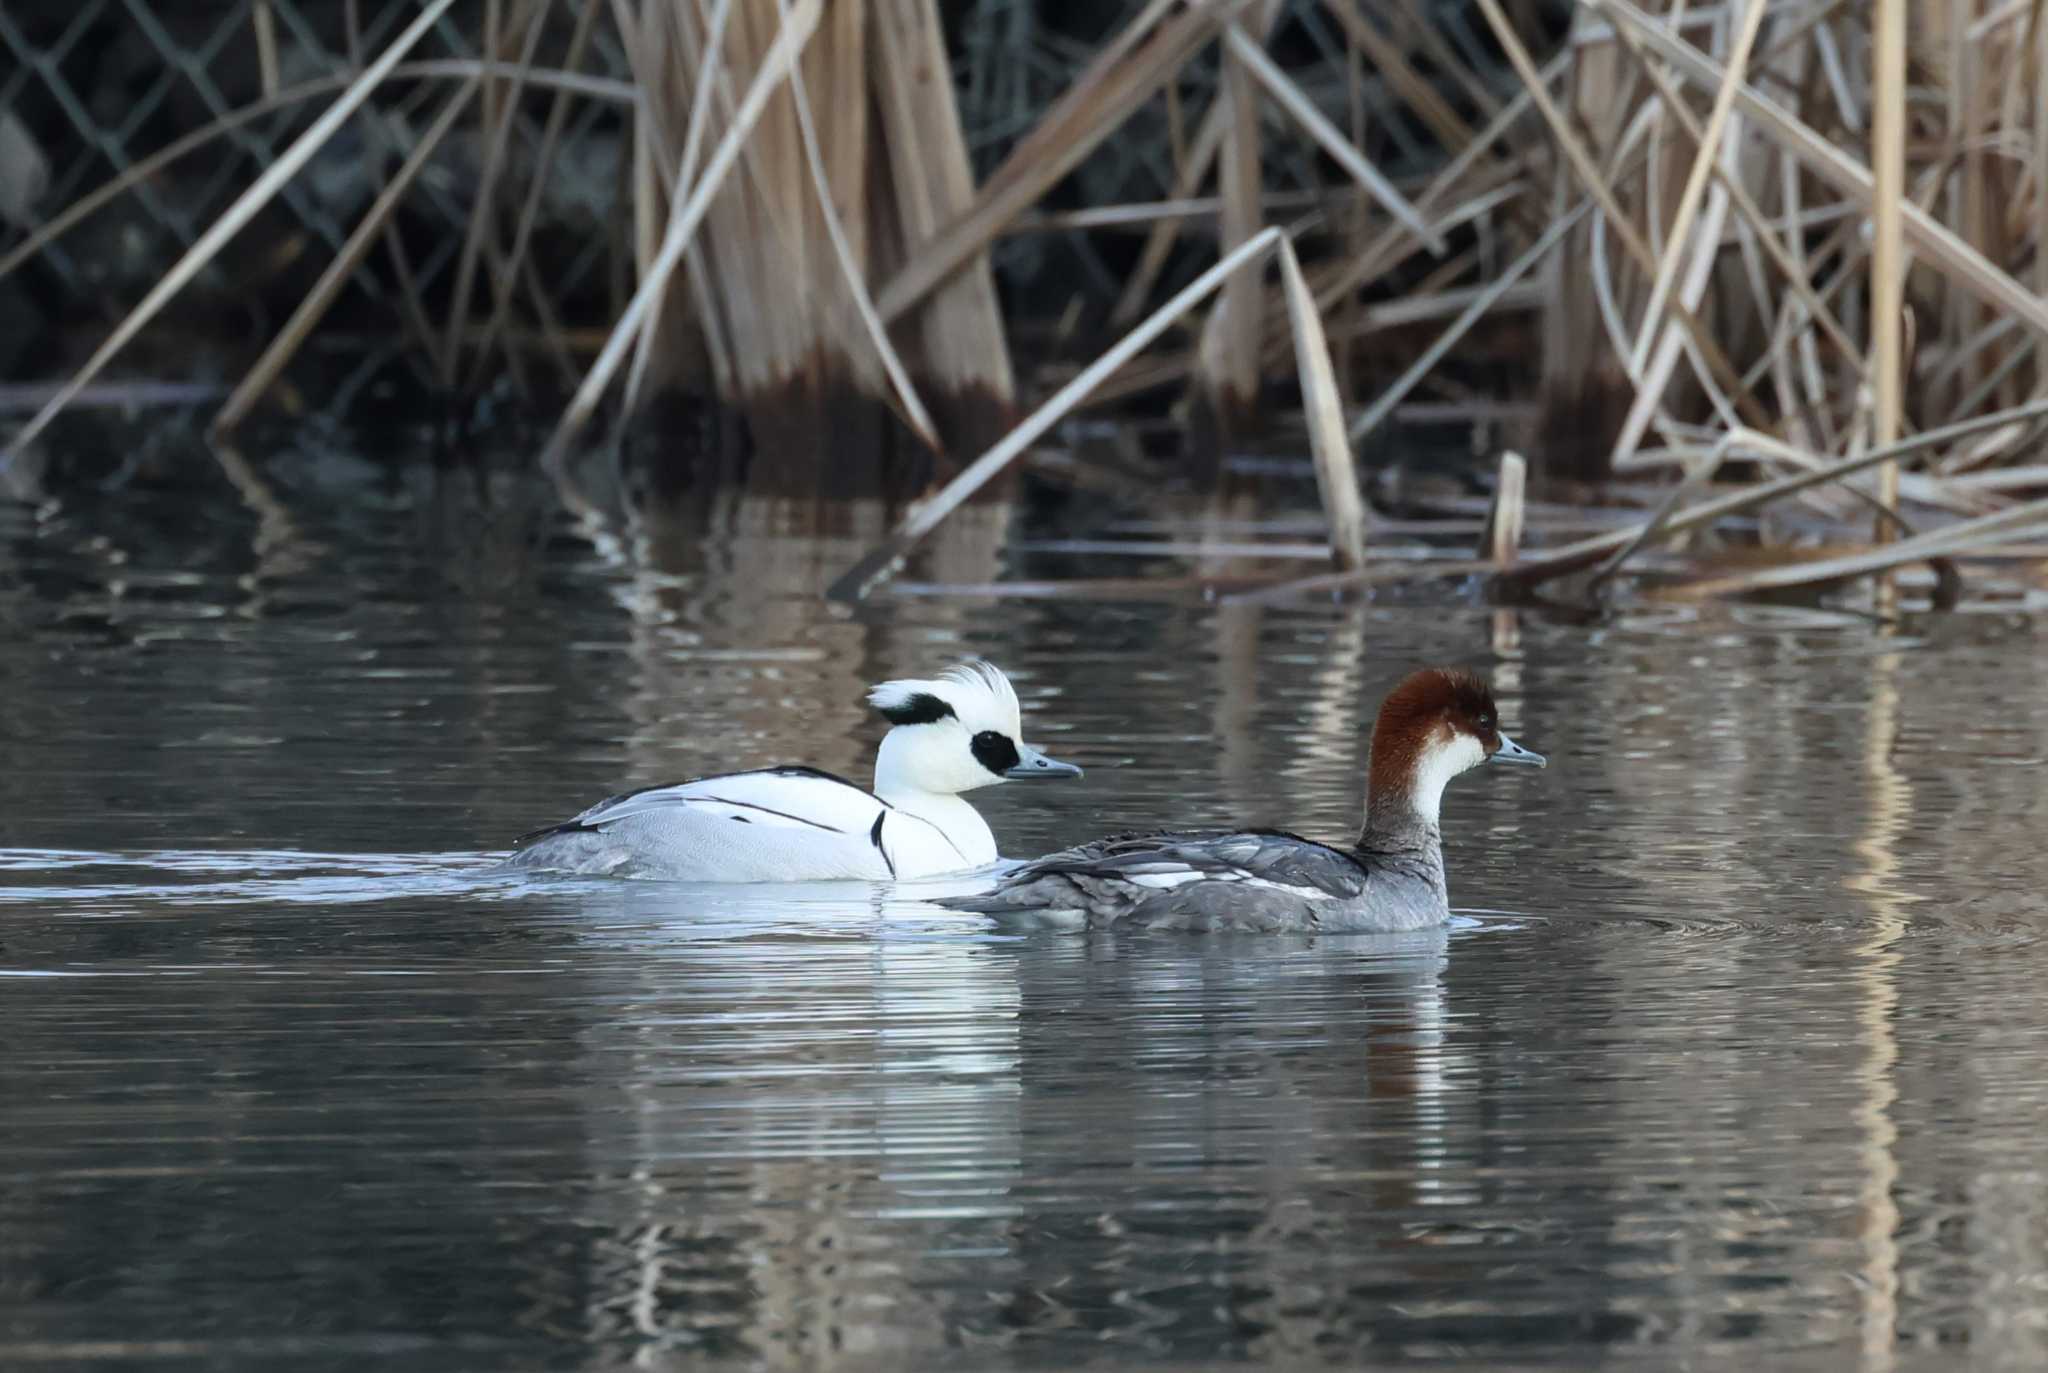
[(786, 797), (775, 825)]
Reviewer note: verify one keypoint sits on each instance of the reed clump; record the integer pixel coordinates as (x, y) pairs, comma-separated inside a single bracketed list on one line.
[(1775, 262)]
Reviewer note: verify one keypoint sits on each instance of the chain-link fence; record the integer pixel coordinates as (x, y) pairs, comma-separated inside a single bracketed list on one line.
[(106, 89), (185, 104)]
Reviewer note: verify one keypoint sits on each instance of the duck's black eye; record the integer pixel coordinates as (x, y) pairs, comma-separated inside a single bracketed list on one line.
[(995, 751)]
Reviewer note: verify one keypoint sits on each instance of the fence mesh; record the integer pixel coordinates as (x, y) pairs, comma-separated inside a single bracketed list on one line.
[(92, 89), (89, 89)]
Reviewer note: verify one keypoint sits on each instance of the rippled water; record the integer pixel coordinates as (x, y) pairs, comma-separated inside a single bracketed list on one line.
[(1737, 1052)]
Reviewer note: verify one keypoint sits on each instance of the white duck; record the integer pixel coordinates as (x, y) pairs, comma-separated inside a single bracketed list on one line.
[(952, 734)]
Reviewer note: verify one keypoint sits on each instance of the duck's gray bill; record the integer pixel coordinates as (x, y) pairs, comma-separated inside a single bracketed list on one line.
[(1512, 752), (1032, 763)]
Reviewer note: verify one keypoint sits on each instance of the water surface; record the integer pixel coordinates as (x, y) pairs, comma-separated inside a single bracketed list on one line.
[(1737, 1053)]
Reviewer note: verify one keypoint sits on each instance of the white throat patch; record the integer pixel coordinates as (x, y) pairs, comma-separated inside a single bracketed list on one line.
[(1440, 762)]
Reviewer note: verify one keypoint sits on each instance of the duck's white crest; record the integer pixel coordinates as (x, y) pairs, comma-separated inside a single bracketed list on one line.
[(976, 692)]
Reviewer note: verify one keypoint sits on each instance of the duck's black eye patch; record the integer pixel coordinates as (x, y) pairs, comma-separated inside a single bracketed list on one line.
[(922, 708), (995, 751)]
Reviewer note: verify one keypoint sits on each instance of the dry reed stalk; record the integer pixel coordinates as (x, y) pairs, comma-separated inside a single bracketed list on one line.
[(1191, 170), (1149, 213), (529, 211), (1251, 60), (1190, 173), (1994, 380), (1376, 414), (1887, 254), (1229, 351), (1422, 304), (863, 576), (1341, 281), (646, 193), (1836, 71), (779, 275), (778, 278), (264, 22), (1999, 231), (1710, 150), (1345, 278), (1783, 244), (2037, 80), (1377, 257), (1978, 538), (499, 116), (1701, 472), (1582, 387), (842, 90), (1336, 474), (1653, 377), (1968, 194), (1401, 77), (1933, 240), (1558, 562), (1421, 308), (1159, 242), (791, 321), (1595, 185), (412, 304), (913, 219), (113, 395), (685, 335), (961, 345), (796, 30), (1502, 540), (315, 306), (848, 105), (1354, 102), (239, 214), (1432, 287), (1139, 378), (1424, 30), (1120, 79), (667, 174), (493, 29)]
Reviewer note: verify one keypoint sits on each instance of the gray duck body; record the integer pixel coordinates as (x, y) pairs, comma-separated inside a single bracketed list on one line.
[(1245, 881), (1436, 724)]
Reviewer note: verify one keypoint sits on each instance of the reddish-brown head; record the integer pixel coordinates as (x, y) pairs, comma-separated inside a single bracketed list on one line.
[(1437, 723)]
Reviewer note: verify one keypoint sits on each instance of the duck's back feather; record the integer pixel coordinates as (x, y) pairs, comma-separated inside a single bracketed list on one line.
[(1163, 858), (793, 795), (784, 824), (1245, 880)]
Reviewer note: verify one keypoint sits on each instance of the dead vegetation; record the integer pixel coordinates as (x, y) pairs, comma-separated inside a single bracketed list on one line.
[(1775, 261)]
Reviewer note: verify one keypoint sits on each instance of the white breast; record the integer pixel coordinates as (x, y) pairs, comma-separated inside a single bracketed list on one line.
[(928, 834)]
